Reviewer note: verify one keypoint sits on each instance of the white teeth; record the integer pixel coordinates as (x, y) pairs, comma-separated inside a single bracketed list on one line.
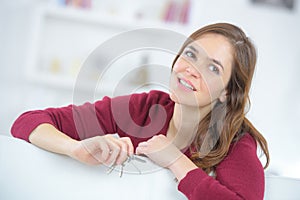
[(185, 84)]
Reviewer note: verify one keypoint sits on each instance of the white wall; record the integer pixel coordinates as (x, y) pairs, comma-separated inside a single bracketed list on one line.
[(275, 96), (17, 94)]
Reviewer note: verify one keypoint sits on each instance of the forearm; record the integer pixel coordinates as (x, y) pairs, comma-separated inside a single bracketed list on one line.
[(49, 138), (181, 167)]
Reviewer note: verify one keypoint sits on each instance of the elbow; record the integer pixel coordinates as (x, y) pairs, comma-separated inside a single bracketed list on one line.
[(25, 124), (17, 128)]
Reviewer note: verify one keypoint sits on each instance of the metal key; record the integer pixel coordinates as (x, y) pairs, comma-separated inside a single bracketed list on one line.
[(121, 171), (137, 158), (110, 169), (128, 160)]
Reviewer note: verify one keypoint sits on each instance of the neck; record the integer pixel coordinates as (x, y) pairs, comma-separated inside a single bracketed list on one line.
[(184, 124)]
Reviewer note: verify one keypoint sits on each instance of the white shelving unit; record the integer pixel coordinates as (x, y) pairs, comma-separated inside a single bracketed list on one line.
[(63, 37)]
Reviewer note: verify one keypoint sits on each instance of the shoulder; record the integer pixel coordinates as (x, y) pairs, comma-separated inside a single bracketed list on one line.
[(152, 97), (141, 105), (245, 143), (241, 169), (242, 159), (245, 149), (142, 114), (145, 98), (144, 102)]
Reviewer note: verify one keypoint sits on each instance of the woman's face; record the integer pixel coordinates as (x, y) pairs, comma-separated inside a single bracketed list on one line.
[(202, 71)]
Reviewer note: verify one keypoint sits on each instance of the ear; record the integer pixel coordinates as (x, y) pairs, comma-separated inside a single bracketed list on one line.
[(223, 96)]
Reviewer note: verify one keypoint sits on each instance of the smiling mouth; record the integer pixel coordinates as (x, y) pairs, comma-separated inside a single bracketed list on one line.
[(186, 84)]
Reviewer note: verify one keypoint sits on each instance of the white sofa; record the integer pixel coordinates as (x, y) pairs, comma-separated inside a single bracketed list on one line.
[(29, 173), (282, 188)]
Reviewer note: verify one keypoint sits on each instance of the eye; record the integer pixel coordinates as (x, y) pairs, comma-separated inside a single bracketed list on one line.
[(189, 54), (214, 69)]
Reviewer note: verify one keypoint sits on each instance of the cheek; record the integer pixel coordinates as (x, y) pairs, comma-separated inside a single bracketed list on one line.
[(212, 88), (179, 65)]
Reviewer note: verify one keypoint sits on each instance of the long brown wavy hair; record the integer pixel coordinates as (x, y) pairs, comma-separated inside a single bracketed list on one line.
[(226, 122)]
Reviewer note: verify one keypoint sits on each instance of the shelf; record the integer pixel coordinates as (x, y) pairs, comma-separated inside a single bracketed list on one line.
[(66, 35), (97, 18)]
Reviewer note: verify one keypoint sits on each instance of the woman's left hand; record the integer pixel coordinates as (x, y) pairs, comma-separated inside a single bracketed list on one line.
[(160, 150)]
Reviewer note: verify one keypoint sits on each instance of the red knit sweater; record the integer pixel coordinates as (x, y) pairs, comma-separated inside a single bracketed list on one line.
[(140, 116)]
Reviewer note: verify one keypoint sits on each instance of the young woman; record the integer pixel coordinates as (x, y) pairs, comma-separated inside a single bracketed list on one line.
[(199, 131)]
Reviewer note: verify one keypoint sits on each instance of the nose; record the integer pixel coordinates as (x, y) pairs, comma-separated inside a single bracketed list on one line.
[(190, 70), (182, 66)]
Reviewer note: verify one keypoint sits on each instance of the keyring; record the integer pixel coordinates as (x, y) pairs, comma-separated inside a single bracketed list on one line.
[(128, 161)]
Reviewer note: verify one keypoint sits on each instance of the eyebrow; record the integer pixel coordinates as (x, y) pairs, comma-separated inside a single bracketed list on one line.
[(212, 59), (217, 62), (193, 48)]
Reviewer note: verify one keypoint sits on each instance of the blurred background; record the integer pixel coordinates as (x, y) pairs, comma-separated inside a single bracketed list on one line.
[(44, 42)]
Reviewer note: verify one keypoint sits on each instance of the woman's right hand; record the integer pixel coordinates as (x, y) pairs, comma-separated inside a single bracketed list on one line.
[(105, 149)]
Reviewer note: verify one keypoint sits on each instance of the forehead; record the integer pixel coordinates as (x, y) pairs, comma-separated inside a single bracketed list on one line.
[(216, 47)]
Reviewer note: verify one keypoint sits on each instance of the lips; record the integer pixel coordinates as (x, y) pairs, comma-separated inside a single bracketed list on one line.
[(186, 84)]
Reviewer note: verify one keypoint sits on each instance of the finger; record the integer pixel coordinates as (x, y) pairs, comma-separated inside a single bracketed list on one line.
[(141, 150), (114, 152), (123, 154), (130, 147), (143, 144), (105, 151)]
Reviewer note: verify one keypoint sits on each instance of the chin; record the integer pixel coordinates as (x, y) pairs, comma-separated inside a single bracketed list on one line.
[(182, 101), (173, 97)]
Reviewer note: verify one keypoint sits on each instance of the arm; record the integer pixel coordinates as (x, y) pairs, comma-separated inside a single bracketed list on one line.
[(239, 176), (75, 131), (90, 121), (181, 167), (78, 122), (91, 151), (46, 136)]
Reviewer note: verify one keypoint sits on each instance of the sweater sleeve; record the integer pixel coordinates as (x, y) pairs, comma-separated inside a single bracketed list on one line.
[(138, 116), (78, 122), (239, 176)]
